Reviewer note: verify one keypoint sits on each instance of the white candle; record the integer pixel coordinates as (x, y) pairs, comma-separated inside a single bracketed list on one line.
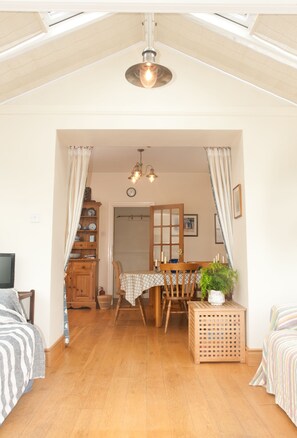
[(223, 259), (156, 263), (162, 256), (165, 259)]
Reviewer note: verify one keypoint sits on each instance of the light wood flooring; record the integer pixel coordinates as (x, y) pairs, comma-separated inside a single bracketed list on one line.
[(134, 381)]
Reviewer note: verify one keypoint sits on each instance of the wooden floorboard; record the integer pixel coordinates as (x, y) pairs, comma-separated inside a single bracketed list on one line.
[(132, 381)]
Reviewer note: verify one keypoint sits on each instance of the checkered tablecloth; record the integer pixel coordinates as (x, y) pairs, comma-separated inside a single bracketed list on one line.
[(135, 283)]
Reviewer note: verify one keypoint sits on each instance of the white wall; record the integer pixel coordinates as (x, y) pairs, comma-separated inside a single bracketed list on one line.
[(198, 99), (270, 159), (58, 243), (26, 190)]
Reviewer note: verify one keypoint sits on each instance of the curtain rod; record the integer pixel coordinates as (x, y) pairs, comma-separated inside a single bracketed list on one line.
[(131, 216)]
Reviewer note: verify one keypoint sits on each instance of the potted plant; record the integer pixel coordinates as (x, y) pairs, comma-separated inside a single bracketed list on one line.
[(217, 277)]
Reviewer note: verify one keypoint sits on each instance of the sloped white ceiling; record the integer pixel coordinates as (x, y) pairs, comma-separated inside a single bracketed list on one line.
[(65, 54), (280, 30), (197, 41), (17, 27), (61, 55), (33, 67)]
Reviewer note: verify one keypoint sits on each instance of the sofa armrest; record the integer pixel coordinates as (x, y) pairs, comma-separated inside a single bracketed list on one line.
[(31, 295)]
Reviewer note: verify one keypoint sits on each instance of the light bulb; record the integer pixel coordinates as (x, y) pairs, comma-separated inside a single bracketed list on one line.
[(151, 175), (148, 74)]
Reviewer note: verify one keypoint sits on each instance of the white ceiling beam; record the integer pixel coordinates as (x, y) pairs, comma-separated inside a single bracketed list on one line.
[(247, 6)]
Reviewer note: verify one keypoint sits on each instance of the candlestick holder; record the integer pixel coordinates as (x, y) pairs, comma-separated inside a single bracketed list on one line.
[(157, 268)]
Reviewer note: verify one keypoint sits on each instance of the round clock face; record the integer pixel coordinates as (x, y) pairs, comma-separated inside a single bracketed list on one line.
[(131, 192)]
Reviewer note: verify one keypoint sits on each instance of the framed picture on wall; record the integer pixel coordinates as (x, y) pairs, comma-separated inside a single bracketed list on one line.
[(218, 230), (190, 225), (237, 203)]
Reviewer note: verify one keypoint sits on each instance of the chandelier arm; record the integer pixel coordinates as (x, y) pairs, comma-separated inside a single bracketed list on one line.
[(148, 167), (137, 170)]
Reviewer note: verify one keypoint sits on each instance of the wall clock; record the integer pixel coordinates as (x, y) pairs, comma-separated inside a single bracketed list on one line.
[(131, 192)]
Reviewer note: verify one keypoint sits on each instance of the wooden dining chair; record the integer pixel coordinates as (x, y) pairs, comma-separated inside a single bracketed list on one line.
[(179, 287), (202, 264), (122, 304)]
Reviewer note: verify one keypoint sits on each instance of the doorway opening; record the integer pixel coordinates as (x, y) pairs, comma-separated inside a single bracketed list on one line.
[(131, 238)]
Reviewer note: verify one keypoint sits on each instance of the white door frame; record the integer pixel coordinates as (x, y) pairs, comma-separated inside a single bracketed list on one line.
[(111, 207)]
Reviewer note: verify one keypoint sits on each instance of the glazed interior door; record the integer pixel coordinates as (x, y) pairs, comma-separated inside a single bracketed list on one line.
[(167, 232)]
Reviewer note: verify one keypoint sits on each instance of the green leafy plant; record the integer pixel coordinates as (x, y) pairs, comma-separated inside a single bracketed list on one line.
[(217, 276)]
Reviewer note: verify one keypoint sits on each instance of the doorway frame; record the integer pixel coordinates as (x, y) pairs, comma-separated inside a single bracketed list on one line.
[(111, 207)]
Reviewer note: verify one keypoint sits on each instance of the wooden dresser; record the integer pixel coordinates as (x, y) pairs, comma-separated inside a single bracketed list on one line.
[(83, 266)]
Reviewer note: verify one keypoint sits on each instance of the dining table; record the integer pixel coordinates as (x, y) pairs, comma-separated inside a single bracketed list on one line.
[(135, 283)]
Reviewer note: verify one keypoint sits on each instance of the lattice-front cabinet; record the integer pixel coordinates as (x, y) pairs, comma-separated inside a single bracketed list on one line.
[(217, 333), (82, 271)]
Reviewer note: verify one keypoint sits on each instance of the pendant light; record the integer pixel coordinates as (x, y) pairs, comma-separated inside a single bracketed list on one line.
[(148, 74), (137, 171)]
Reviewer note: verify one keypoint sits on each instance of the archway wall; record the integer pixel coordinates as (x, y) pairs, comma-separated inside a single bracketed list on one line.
[(263, 163), (32, 172)]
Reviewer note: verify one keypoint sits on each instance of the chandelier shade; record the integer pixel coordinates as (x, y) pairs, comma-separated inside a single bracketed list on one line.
[(137, 171), (148, 74)]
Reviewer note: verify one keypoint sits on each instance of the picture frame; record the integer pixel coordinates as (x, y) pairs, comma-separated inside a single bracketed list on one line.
[(190, 225), (237, 201), (218, 230)]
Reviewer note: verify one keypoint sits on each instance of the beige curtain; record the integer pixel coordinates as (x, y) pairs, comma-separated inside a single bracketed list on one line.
[(78, 164), (219, 161)]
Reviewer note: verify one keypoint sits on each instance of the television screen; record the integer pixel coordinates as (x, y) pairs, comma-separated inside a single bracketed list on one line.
[(7, 262)]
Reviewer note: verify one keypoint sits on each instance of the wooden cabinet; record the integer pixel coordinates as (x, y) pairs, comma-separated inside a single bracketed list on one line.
[(82, 271), (217, 333)]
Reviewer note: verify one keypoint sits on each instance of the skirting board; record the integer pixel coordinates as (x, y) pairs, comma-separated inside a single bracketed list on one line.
[(53, 353), (253, 357)]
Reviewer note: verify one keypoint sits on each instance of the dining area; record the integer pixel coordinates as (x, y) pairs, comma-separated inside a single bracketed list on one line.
[(216, 329), (170, 285), (150, 274)]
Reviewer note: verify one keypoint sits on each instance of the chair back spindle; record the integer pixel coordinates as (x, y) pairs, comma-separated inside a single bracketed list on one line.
[(179, 286)]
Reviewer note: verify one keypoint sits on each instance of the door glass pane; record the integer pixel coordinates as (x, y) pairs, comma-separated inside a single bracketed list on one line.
[(166, 217), (157, 217), (166, 235), (175, 216), (157, 235), (175, 239), (166, 251), (175, 251), (175, 231)]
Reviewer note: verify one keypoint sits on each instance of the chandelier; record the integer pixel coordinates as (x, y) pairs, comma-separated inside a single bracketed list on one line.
[(148, 74), (137, 171)]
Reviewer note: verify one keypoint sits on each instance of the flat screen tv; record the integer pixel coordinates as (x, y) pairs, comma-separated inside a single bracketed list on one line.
[(7, 263)]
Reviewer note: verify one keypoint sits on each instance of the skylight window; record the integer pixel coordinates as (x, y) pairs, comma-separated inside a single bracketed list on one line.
[(56, 17), (240, 19)]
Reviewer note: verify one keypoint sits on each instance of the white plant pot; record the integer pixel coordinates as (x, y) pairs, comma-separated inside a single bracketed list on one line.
[(216, 297)]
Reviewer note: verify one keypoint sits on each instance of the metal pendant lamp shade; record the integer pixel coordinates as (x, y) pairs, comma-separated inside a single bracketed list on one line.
[(148, 74)]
